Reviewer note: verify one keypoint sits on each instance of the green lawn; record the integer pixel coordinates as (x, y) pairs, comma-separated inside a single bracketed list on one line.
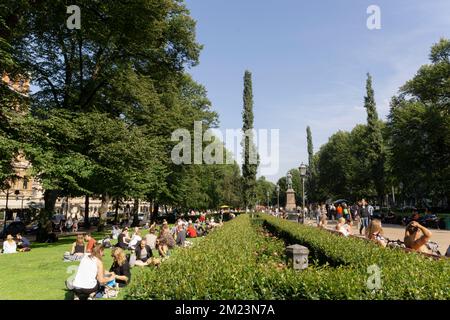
[(41, 273)]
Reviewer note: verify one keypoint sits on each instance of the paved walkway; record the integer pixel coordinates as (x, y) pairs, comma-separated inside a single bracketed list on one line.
[(394, 232)]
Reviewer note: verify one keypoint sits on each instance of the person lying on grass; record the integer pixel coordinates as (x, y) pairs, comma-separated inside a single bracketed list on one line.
[(9, 246), (375, 233), (120, 267), (91, 274)]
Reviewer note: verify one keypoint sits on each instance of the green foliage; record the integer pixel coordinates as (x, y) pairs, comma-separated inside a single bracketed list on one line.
[(419, 129), (241, 261), (402, 273), (264, 187), (375, 152), (224, 265), (311, 183), (249, 168)]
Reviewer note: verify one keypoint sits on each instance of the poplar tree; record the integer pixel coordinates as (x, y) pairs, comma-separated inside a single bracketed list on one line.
[(375, 152), (250, 158)]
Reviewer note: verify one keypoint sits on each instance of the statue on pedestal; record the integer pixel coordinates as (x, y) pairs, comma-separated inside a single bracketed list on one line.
[(290, 194), (289, 180)]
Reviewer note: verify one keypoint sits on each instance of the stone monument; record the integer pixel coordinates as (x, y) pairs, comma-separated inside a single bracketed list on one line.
[(290, 195)]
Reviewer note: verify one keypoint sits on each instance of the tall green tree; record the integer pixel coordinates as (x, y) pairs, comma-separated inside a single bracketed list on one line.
[(311, 184), (419, 130), (375, 153), (264, 188), (129, 74), (250, 157)]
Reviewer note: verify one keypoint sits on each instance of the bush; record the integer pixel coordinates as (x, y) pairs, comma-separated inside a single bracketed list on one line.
[(220, 266), (239, 261), (404, 275)]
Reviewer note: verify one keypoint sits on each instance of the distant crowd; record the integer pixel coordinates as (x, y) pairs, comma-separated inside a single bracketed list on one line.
[(417, 237)]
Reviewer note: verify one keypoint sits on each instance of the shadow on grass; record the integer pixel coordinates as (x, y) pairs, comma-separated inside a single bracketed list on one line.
[(67, 240), (68, 295)]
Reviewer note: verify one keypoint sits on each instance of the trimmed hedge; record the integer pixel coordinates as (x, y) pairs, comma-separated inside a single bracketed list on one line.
[(404, 275), (237, 261), (220, 266)]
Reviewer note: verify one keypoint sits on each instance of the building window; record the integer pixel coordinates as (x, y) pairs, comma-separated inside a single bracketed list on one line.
[(25, 183)]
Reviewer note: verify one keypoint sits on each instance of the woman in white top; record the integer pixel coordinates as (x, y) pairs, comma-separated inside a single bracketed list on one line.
[(9, 246), (343, 227), (91, 273), (135, 239)]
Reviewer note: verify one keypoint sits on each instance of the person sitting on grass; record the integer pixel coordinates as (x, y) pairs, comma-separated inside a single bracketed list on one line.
[(143, 254), (120, 267), (115, 232), (165, 241), (91, 274), (417, 237), (23, 244), (123, 239), (343, 227), (191, 231), (78, 250), (135, 239), (9, 245), (90, 242), (75, 225), (375, 233), (151, 237), (181, 236)]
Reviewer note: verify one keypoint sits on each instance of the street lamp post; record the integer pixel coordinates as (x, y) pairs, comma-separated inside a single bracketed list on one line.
[(302, 170)]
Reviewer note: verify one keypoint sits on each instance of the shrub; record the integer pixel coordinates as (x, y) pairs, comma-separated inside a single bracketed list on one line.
[(404, 275), (238, 261)]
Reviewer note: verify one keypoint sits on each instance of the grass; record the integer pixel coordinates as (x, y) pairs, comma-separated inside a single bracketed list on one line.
[(41, 273)]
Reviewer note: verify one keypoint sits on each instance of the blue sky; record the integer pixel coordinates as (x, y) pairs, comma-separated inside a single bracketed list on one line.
[(309, 61)]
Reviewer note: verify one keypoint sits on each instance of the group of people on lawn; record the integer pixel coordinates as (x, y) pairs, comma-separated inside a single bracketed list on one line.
[(91, 276), (20, 244)]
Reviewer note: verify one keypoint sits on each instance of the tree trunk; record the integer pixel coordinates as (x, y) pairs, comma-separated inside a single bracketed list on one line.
[(135, 213), (102, 212), (45, 216), (155, 211), (116, 216), (87, 223)]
